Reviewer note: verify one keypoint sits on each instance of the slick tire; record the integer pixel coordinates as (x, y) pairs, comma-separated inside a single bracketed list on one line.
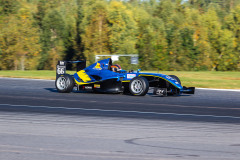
[(64, 83), (139, 86)]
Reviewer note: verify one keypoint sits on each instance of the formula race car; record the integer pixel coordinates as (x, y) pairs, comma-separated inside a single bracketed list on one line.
[(105, 77)]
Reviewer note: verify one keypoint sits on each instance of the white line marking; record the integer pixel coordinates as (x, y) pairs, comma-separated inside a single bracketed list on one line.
[(121, 111), (215, 89), (130, 103), (26, 79)]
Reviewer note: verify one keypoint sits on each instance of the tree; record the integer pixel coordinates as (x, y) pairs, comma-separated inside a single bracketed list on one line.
[(122, 37), (52, 38), (42, 8), (20, 42), (169, 35), (8, 7), (95, 30), (232, 22), (151, 42)]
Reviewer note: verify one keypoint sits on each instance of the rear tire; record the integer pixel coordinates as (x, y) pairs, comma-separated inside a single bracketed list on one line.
[(139, 86), (64, 83)]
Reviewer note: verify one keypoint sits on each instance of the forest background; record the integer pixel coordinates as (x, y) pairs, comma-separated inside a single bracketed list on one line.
[(193, 35)]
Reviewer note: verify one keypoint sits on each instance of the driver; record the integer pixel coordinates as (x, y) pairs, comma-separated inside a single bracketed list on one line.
[(116, 68)]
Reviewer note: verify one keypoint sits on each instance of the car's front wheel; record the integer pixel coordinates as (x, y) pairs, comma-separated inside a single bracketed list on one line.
[(64, 83), (139, 86)]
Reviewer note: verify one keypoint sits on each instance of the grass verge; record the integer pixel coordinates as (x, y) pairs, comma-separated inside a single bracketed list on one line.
[(206, 79)]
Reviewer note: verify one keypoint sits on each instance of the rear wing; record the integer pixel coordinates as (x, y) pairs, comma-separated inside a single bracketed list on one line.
[(62, 66)]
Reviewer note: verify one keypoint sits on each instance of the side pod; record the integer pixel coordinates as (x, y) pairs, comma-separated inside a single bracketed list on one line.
[(188, 90)]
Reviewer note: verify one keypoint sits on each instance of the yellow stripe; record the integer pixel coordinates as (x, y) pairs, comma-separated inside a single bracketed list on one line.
[(82, 83), (83, 75)]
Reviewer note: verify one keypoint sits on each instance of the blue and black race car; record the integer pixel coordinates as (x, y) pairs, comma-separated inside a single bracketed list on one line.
[(105, 77)]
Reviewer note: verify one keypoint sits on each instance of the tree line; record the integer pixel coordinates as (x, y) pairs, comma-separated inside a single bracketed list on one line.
[(167, 34)]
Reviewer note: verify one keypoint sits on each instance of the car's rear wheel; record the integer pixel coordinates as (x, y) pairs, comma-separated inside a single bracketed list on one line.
[(64, 83), (139, 86)]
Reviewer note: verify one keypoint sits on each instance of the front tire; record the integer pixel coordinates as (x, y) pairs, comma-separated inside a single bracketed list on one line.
[(64, 83), (139, 86)]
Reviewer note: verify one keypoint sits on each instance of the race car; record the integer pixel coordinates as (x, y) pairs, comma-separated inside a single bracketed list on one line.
[(105, 77)]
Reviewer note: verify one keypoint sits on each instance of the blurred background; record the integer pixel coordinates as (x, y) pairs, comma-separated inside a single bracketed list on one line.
[(172, 35)]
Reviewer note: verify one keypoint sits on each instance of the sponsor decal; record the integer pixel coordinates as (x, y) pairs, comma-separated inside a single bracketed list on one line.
[(62, 63), (168, 77), (96, 85), (98, 66), (88, 87), (131, 76)]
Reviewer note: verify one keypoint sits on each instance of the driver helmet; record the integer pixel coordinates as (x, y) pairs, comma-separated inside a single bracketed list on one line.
[(116, 68)]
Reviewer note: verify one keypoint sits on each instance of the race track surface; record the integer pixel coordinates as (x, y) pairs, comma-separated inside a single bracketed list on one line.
[(41, 96), (37, 122), (36, 136)]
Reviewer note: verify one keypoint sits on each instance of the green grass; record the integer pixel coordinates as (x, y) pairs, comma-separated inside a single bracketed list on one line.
[(206, 79), (35, 74)]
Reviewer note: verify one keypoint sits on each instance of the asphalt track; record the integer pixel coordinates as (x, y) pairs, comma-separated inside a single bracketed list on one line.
[(37, 122), (25, 95)]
